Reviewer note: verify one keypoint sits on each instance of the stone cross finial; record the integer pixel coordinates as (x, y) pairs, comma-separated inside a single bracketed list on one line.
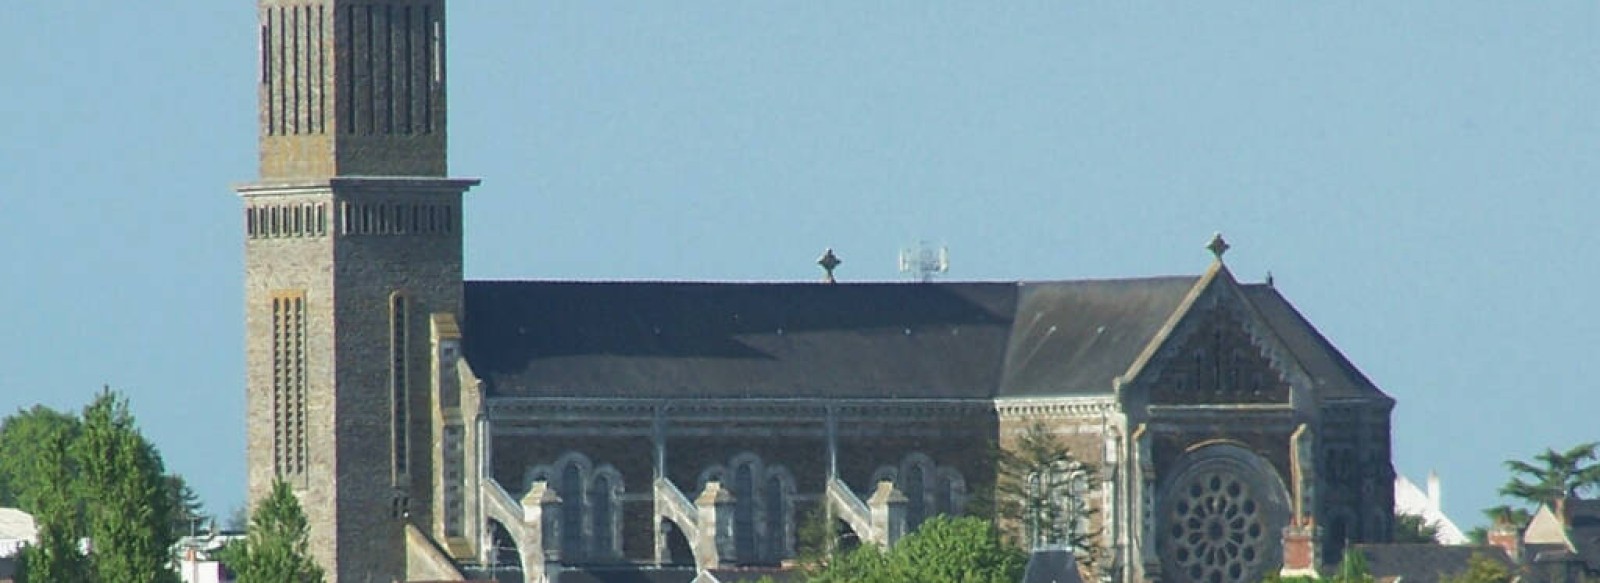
[(828, 261), (1218, 245)]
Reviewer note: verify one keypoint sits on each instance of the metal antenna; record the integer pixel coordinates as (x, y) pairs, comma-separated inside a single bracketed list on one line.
[(924, 261)]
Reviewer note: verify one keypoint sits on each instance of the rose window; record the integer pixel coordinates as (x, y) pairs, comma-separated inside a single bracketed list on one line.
[(1221, 524)]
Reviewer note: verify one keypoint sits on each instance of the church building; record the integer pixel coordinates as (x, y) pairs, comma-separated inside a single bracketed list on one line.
[(436, 428)]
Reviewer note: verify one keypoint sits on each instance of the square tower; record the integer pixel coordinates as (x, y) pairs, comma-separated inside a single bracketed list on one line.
[(352, 240)]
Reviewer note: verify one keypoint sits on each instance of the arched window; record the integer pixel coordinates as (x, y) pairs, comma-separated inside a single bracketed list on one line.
[(913, 484), (590, 515), (930, 489), (950, 492), (601, 509), (744, 512), (777, 547), (571, 494), (763, 516)]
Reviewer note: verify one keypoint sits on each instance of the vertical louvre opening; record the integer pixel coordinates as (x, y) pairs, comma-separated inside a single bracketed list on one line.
[(282, 77), (388, 69), (322, 71), (409, 73), (289, 449), (295, 72), (432, 56), (398, 382), (347, 99), (266, 70), (371, 72)]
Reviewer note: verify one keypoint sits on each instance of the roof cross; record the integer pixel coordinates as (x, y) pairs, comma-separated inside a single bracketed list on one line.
[(828, 261), (1218, 245)]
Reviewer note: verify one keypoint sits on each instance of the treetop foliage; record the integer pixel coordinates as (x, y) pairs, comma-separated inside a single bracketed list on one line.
[(277, 548), (1551, 475), (942, 550), (90, 476), (1563, 474), (1411, 528)]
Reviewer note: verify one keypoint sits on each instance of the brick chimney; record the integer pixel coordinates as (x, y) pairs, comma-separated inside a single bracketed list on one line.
[(1504, 534), (1300, 549)]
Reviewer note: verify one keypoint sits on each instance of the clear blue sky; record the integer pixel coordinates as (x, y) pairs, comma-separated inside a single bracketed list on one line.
[(1419, 176)]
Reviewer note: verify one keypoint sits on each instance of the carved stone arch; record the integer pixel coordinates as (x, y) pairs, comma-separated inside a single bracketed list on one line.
[(585, 465), (757, 466), (1220, 513)]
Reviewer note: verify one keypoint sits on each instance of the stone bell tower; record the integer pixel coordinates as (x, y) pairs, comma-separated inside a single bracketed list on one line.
[(352, 239)]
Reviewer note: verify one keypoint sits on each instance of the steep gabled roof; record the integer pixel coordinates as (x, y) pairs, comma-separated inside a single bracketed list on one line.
[(1075, 337)]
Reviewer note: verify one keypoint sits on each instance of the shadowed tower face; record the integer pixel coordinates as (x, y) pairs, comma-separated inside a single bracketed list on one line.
[(352, 239)]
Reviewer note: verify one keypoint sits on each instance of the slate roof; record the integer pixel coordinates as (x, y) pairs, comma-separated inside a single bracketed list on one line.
[(1074, 337), (1424, 562), (975, 340), (1582, 518), (738, 340)]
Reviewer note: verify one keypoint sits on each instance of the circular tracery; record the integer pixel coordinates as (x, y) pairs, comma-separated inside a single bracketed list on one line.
[(1220, 520)]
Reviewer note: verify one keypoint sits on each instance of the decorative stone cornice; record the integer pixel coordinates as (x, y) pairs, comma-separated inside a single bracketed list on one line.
[(1057, 407), (576, 408)]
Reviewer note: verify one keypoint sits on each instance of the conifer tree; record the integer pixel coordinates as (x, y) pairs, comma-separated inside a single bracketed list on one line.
[(1041, 495), (50, 496), (126, 504), (277, 547)]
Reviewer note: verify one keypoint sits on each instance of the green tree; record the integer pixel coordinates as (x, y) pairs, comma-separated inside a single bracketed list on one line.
[(816, 538), (47, 480), (276, 550), (943, 550), (1353, 568), (128, 512), (25, 437), (1481, 569), (1041, 495), (187, 511), (964, 550), (1553, 475), (1410, 528)]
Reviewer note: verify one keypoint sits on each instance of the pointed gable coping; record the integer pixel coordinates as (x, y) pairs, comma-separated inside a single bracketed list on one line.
[(1276, 350), (1333, 375)]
